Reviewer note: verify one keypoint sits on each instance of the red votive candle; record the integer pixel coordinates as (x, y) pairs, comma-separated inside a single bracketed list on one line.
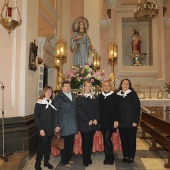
[(9, 12)]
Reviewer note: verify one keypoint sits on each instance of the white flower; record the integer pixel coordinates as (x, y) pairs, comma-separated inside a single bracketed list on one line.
[(89, 75)]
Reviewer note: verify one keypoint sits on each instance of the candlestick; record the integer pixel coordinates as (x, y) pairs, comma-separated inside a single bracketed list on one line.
[(150, 97), (150, 82)]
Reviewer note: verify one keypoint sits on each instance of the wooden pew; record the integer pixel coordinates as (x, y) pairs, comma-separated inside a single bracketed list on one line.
[(159, 130)]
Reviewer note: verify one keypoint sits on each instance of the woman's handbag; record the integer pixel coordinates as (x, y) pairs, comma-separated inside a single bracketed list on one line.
[(58, 141)]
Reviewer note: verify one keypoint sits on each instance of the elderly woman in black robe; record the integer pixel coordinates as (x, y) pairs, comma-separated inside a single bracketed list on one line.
[(108, 119)]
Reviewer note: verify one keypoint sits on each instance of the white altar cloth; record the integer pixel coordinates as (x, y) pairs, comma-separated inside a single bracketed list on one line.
[(156, 102)]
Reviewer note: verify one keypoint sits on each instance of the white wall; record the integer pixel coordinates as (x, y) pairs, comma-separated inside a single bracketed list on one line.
[(28, 78), (20, 83)]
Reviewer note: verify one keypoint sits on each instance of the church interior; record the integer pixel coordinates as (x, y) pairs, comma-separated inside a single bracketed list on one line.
[(123, 44)]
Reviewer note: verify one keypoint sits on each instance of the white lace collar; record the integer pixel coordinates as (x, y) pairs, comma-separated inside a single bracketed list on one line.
[(120, 93), (88, 95), (107, 94), (44, 101)]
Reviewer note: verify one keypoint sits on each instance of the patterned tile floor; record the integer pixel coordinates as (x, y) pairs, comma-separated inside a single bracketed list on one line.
[(145, 159)]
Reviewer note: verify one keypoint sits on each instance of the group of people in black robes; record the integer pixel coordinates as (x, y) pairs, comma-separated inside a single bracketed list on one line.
[(87, 113)]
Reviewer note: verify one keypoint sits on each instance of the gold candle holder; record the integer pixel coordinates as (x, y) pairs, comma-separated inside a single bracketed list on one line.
[(150, 89)]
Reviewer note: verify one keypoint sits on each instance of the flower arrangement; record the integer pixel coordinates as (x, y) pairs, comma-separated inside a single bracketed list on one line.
[(167, 87), (78, 75)]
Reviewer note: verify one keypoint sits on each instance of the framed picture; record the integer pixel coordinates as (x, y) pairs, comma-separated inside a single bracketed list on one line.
[(142, 95), (159, 95)]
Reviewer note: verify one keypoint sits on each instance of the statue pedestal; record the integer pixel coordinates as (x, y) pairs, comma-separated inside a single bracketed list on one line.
[(136, 64)]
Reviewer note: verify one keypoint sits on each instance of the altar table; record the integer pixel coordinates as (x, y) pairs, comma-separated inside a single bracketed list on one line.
[(156, 103), (98, 145)]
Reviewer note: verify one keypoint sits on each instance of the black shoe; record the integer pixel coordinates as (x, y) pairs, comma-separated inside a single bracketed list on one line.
[(37, 166), (85, 161), (48, 165), (111, 160), (130, 160), (86, 164), (125, 160), (90, 162), (106, 161)]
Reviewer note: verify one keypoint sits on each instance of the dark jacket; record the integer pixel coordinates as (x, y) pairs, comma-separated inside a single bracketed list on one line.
[(44, 119), (129, 109), (65, 116), (108, 111), (87, 109)]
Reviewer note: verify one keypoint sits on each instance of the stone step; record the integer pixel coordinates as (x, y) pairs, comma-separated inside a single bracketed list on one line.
[(16, 161)]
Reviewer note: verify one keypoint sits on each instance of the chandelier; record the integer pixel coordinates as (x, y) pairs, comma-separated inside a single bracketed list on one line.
[(7, 22), (146, 10)]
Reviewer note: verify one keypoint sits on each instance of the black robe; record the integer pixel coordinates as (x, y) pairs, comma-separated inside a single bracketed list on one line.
[(129, 109), (44, 119), (108, 108), (87, 109)]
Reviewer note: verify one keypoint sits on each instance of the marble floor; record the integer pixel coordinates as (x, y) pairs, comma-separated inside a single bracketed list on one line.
[(145, 159)]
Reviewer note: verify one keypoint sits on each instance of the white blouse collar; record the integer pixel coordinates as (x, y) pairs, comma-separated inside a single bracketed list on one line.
[(44, 101), (88, 95), (120, 93), (107, 94)]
